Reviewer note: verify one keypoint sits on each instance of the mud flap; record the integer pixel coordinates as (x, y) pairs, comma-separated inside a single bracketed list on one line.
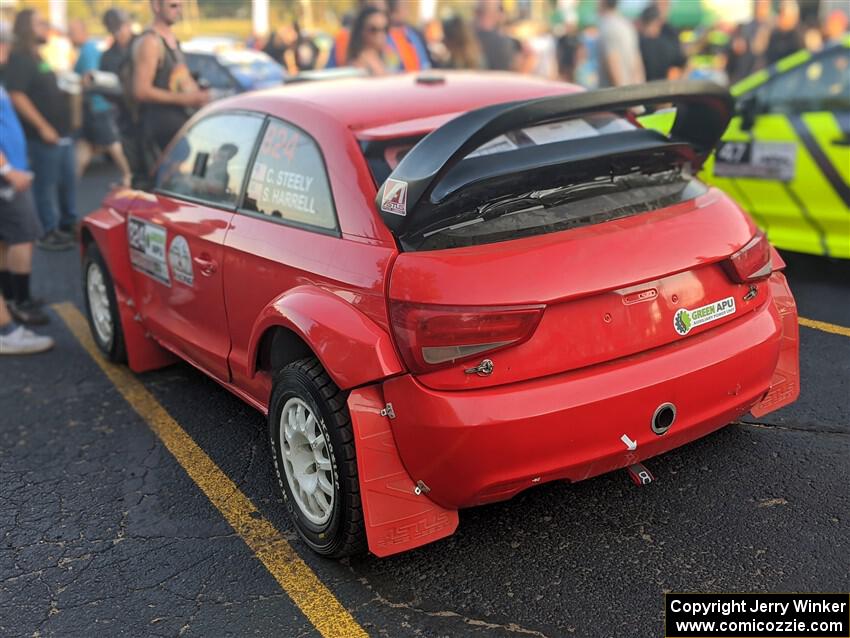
[(397, 518), (143, 353), (785, 385)]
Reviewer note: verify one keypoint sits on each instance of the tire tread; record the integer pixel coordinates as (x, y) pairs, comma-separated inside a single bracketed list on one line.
[(352, 537), (118, 352)]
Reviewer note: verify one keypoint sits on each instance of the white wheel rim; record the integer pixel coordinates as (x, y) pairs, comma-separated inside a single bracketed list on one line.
[(99, 303), (306, 461)]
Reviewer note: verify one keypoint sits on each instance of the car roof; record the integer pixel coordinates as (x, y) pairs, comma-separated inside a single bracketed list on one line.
[(369, 104)]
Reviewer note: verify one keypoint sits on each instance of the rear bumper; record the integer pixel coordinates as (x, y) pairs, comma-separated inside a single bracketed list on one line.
[(479, 446)]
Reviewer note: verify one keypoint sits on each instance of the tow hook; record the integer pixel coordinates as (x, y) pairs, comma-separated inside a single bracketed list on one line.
[(639, 474)]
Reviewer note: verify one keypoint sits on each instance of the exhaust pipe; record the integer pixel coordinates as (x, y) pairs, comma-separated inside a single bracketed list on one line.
[(664, 417)]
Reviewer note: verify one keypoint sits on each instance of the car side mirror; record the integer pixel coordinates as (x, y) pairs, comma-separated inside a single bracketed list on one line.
[(748, 109)]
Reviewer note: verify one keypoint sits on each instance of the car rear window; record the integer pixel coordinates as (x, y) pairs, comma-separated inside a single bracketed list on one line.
[(582, 204)]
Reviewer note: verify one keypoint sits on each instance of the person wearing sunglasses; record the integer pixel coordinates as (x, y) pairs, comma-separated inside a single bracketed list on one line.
[(367, 48), (162, 84)]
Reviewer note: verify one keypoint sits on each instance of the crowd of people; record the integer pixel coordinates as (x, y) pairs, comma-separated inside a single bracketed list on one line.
[(52, 124), (379, 37)]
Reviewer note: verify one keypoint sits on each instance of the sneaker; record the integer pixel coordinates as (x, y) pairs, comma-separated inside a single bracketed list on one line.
[(22, 341), (69, 232), (28, 313), (54, 240)]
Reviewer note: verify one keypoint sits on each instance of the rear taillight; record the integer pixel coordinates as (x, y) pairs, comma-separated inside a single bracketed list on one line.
[(752, 262), (431, 337)]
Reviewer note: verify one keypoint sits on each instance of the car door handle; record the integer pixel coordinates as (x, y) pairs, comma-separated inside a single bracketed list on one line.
[(206, 264)]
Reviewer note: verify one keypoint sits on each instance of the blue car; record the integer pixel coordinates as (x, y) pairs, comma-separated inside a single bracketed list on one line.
[(230, 70)]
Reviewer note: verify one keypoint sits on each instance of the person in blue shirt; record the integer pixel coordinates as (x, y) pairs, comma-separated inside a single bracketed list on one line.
[(100, 128), (19, 228)]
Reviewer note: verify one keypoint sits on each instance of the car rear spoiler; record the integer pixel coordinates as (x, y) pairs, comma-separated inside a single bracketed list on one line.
[(434, 171)]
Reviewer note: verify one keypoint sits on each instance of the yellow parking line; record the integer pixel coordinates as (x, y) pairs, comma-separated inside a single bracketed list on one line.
[(825, 327), (296, 578)]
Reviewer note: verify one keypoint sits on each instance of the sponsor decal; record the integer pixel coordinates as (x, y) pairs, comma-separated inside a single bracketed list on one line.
[(686, 320), (759, 160), (281, 190), (147, 249), (395, 197), (500, 144), (180, 259)]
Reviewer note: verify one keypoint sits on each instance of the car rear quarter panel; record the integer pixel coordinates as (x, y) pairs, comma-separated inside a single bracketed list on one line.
[(353, 348), (330, 291)]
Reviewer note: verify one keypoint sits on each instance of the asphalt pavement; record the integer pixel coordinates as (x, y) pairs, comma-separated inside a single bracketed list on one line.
[(103, 532)]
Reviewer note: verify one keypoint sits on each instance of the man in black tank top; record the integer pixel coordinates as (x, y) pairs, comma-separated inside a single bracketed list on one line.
[(162, 85)]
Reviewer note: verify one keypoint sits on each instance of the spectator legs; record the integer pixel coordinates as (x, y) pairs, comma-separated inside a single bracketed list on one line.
[(67, 187), (46, 166)]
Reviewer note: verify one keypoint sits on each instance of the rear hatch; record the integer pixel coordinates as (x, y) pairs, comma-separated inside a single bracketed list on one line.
[(561, 301), (555, 235)]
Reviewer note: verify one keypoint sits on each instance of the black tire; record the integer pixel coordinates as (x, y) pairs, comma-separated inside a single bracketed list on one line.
[(344, 533), (113, 348)]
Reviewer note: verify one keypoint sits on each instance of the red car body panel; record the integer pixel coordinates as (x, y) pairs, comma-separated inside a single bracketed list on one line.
[(359, 105), (594, 310), (353, 346), (785, 384), (569, 426), (398, 516), (189, 320), (603, 357)]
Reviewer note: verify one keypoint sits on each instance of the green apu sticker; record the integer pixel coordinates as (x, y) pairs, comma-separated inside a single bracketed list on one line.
[(686, 320)]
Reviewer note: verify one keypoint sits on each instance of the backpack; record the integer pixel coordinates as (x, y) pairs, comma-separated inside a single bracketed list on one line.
[(126, 73)]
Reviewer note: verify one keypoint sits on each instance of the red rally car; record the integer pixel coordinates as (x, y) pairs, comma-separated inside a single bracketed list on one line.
[(443, 290)]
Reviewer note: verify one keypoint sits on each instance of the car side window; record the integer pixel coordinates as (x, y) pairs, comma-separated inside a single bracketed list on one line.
[(208, 163), (289, 181), (822, 84)]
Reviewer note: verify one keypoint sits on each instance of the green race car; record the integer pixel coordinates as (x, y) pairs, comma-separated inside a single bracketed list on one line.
[(785, 156)]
